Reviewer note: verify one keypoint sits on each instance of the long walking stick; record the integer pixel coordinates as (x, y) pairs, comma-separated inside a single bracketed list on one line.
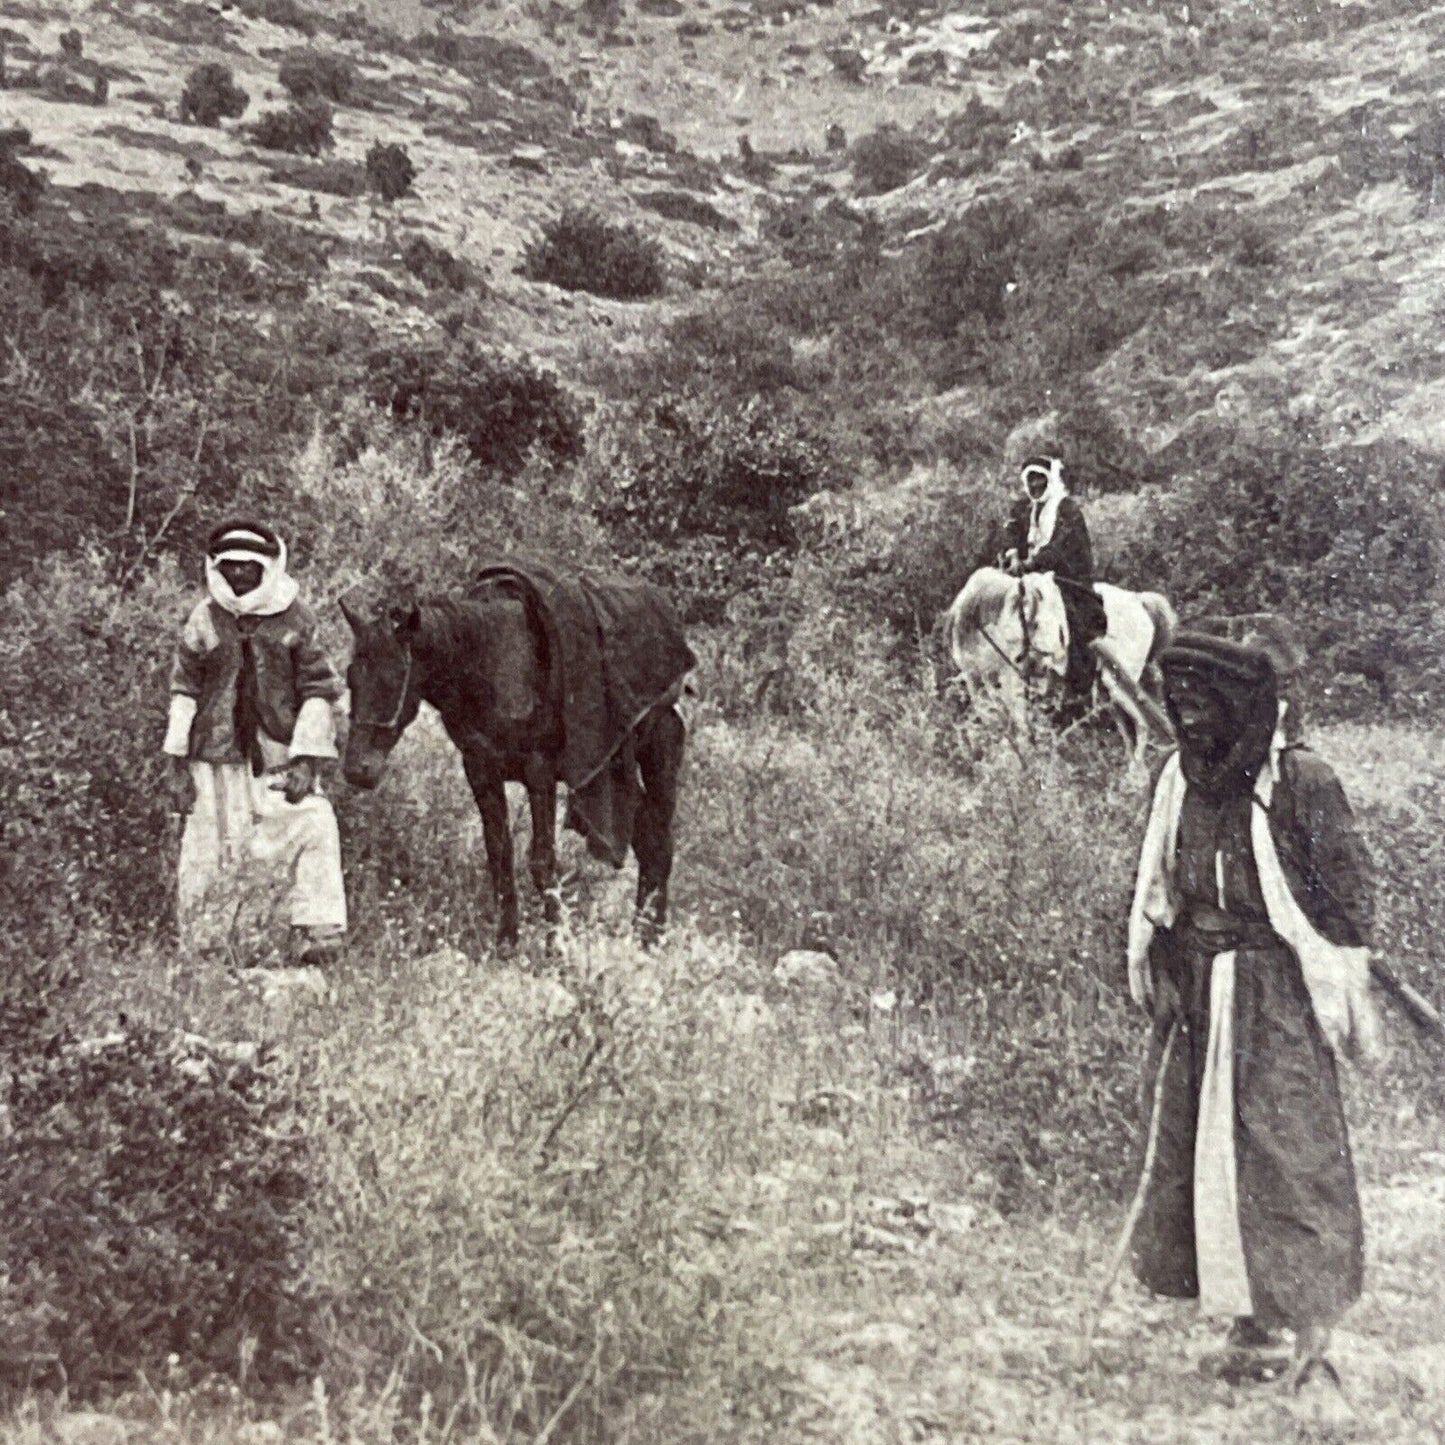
[(1136, 1207)]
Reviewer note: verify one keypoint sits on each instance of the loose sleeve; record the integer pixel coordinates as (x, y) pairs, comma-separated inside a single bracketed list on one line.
[(198, 637), (1338, 883), (314, 674), (318, 687), (1067, 552), (188, 676)]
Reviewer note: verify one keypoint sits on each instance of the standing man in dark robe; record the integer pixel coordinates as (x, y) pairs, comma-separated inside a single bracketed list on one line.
[(1047, 533), (1249, 945)]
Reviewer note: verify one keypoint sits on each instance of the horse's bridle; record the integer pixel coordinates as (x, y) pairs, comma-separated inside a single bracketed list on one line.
[(395, 721), (1019, 666)]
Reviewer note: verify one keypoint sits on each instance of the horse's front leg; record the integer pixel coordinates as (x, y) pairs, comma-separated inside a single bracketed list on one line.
[(541, 780), (490, 791)]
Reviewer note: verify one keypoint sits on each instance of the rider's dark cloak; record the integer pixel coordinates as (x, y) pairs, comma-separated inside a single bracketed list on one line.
[(1069, 555)]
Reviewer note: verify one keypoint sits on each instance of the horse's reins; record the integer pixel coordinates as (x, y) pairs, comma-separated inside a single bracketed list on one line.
[(994, 643)]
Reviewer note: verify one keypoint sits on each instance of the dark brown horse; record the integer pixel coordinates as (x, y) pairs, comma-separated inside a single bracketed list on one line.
[(486, 664)]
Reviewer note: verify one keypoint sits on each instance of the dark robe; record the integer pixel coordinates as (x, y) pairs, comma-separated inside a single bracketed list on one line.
[(1069, 555), (1298, 1208)]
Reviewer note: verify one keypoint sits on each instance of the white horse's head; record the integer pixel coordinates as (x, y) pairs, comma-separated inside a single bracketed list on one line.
[(1014, 624), (1043, 625)]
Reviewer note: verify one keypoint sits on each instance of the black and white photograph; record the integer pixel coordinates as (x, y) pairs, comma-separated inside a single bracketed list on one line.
[(722, 722)]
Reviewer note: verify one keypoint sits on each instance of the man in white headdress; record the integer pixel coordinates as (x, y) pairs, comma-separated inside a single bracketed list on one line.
[(251, 717), (1047, 533)]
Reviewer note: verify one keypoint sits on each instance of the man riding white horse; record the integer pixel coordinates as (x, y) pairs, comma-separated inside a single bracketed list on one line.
[(1047, 533)]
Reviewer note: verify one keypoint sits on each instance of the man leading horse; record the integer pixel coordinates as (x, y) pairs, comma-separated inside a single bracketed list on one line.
[(1047, 533)]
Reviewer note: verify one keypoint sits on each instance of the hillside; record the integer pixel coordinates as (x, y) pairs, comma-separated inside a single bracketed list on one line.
[(844, 1158), (1297, 126)]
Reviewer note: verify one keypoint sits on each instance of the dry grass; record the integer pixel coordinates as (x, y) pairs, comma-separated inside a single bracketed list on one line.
[(684, 1203)]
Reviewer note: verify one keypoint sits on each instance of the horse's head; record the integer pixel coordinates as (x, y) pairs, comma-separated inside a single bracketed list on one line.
[(1044, 625), (384, 687)]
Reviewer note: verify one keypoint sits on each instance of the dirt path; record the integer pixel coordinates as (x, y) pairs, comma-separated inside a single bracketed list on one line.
[(977, 1336)]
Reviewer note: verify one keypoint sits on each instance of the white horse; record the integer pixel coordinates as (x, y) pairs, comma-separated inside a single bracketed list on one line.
[(1005, 632)]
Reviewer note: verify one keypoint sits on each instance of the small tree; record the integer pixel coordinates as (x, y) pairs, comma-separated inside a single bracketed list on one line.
[(886, 159), (502, 407), (389, 171), (17, 181), (435, 267), (212, 95), (308, 74), (303, 129), (579, 251)]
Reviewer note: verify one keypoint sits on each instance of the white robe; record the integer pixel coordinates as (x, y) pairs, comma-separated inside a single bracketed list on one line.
[(245, 849)]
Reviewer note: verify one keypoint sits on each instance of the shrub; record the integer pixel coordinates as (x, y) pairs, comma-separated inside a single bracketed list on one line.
[(886, 159), (153, 1209), (966, 268), (287, 13), (389, 171), (708, 470), (1100, 456), (579, 251), (647, 131), (87, 829), (1346, 541), (502, 407), (212, 95), (953, 525), (317, 75), (725, 351), (303, 129), (1425, 154), (435, 267), (72, 44), (18, 183), (333, 178), (684, 206), (698, 492)]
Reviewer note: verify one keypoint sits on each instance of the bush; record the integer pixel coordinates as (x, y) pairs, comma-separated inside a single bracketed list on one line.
[(684, 206), (579, 251), (435, 267), (303, 129), (1347, 541), (287, 13), (886, 159), (1099, 455), (87, 831), (317, 75), (18, 183), (705, 470), (698, 492), (501, 407), (152, 1194), (954, 521), (332, 178), (389, 171), (965, 271), (212, 95)]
